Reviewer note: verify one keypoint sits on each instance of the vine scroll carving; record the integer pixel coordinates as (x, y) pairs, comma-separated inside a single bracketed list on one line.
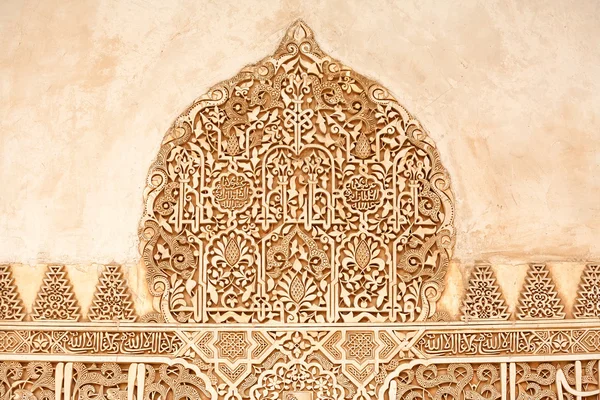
[(297, 191)]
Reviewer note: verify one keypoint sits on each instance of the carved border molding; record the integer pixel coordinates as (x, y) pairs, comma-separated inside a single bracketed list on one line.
[(367, 360), (417, 341)]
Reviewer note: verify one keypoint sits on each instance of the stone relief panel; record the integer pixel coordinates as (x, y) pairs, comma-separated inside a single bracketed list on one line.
[(483, 299), (297, 191), (297, 231)]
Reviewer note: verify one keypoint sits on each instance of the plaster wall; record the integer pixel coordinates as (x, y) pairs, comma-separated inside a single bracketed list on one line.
[(509, 90)]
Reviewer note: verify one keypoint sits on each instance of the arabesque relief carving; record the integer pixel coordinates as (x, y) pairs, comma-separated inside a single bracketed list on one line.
[(484, 299), (297, 191), (539, 298), (56, 300), (297, 230), (11, 306)]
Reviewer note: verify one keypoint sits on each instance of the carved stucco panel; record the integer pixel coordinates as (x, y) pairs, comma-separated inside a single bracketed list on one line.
[(297, 232), (297, 191)]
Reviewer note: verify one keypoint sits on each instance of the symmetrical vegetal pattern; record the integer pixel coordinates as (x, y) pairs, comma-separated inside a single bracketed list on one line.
[(297, 191), (11, 307), (112, 300), (565, 380), (38, 380), (56, 300), (539, 298), (588, 299), (484, 297)]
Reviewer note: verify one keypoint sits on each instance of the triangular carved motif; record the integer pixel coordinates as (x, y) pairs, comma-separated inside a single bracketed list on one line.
[(539, 298), (55, 300), (484, 298), (11, 306), (588, 297), (112, 300)]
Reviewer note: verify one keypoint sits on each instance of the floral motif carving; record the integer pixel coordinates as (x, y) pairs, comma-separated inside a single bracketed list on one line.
[(297, 230), (11, 307), (174, 381), (521, 381), (231, 276), (452, 381), (298, 276), (539, 298), (109, 380), (297, 150), (542, 379), (297, 344), (33, 380), (297, 381), (366, 278), (56, 300), (112, 300), (483, 299), (588, 297)]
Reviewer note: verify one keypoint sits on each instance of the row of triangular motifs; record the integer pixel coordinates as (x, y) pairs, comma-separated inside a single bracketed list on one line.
[(483, 301), (56, 301), (538, 300)]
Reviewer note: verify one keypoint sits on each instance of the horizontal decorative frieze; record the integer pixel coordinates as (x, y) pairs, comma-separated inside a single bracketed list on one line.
[(414, 341)]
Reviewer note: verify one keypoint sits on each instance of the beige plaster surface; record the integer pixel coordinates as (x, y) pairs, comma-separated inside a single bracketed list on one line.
[(509, 90)]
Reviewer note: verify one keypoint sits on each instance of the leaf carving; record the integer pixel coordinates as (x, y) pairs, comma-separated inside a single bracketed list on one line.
[(297, 289), (232, 252), (363, 254), (298, 190)]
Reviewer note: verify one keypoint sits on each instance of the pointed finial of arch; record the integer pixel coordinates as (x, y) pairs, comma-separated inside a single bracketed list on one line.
[(299, 30), (297, 33)]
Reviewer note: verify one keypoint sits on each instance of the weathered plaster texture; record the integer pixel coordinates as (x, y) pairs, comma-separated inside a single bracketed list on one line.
[(509, 90)]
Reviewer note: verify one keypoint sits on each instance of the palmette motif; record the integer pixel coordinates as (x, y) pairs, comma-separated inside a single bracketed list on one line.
[(297, 191)]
